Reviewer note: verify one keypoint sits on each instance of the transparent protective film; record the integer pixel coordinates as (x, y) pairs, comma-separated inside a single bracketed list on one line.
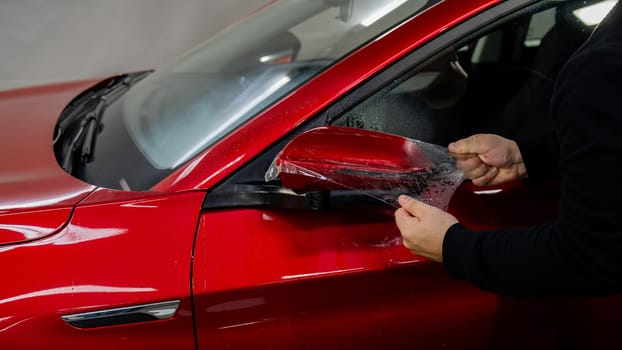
[(379, 165)]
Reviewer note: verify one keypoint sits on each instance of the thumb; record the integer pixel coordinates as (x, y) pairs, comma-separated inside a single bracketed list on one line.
[(473, 144), (404, 220), (412, 206)]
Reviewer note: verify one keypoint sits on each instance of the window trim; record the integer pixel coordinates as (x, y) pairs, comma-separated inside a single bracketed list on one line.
[(224, 195), (507, 9)]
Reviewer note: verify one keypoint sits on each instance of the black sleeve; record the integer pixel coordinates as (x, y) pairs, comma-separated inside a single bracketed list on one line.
[(540, 153), (581, 253)]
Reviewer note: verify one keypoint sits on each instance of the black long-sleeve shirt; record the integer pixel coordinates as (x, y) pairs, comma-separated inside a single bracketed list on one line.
[(581, 253)]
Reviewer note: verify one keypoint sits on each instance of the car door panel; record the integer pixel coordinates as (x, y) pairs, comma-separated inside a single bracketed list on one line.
[(337, 279), (73, 272), (273, 278)]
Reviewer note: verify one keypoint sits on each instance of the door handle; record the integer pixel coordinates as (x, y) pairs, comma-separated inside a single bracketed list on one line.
[(123, 315)]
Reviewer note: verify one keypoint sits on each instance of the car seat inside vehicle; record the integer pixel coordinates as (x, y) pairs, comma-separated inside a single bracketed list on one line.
[(528, 106), (418, 105), (499, 80)]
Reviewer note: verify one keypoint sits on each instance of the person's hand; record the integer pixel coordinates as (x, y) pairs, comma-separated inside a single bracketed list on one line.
[(423, 227), (489, 159)]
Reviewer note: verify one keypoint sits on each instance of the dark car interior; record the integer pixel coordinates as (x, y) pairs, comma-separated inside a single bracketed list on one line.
[(498, 80)]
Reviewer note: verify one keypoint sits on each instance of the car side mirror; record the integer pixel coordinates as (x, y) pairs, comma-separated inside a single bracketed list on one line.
[(380, 164)]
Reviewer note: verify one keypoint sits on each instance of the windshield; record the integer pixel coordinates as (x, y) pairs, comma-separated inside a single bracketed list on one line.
[(175, 113)]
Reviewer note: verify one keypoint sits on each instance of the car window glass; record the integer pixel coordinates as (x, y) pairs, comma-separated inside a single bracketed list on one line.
[(499, 81), (217, 87), (180, 110), (539, 24)]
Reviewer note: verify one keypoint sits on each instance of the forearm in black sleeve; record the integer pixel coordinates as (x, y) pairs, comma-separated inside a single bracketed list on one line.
[(540, 153), (581, 253)]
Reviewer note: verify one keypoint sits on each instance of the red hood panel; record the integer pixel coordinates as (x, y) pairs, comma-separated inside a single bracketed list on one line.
[(36, 195)]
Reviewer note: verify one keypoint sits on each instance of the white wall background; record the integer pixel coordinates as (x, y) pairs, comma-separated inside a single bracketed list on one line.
[(45, 41)]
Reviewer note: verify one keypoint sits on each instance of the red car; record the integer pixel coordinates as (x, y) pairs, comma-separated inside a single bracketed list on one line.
[(135, 212)]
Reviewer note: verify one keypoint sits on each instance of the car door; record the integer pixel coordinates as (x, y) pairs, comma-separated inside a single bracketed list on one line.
[(276, 268)]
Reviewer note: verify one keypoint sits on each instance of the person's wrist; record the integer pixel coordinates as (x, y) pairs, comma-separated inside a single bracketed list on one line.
[(519, 165), (521, 170)]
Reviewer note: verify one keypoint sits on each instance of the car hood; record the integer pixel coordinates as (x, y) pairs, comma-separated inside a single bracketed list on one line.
[(36, 195)]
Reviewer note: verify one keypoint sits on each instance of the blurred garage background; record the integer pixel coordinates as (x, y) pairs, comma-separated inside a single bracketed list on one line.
[(44, 41)]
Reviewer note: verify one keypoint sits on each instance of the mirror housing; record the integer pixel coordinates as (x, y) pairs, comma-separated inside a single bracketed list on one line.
[(334, 157)]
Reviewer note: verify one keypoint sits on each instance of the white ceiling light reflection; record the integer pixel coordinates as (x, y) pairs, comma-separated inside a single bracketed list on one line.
[(83, 234), (76, 290), (235, 305), (27, 231), (383, 11), (323, 273), (54, 199), (594, 14), (495, 191), (15, 324), (223, 169)]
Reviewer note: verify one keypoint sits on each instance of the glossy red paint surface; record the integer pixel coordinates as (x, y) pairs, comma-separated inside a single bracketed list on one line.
[(252, 278), (339, 279), (112, 254), (333, 157), (36, 195), (210, 167)]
